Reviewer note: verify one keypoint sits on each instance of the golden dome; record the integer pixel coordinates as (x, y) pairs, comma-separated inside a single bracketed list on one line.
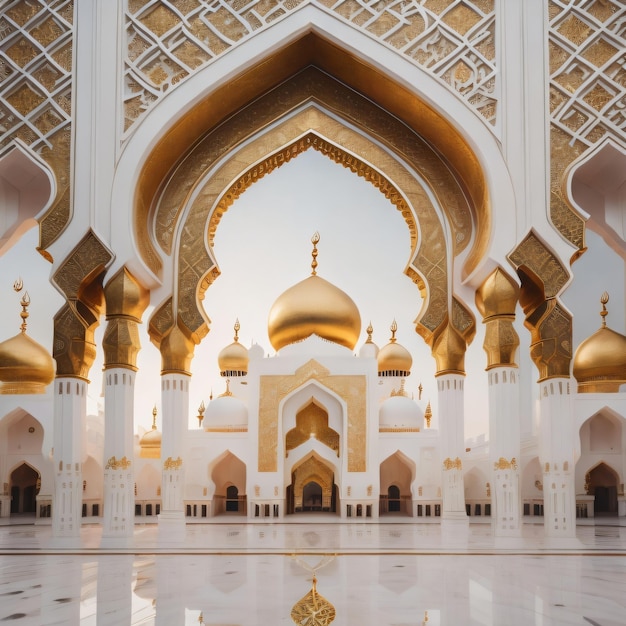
[(394, 359), (150, 443), (314, 307), (233, 359), (25, 366), (600, 360)]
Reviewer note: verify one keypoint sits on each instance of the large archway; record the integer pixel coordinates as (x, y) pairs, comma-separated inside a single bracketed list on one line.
[(229, 476), (312, 487)]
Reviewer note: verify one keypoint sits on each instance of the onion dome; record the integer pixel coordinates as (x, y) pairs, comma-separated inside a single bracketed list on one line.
[(369, 349), (600, 360), (314, 307), (394, 359), (233, 359), (399, 412), (150, 443), (226, 413), (26, 367)]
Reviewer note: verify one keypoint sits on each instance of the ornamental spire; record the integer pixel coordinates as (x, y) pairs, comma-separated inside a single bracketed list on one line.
[(604, 299), (314, 240)]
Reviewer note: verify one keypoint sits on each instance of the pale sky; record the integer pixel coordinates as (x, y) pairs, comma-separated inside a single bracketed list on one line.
[(263, 247)]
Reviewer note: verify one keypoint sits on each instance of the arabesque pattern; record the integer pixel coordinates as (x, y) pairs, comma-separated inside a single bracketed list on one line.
[(587, 90), (36, 40), (168, 41)]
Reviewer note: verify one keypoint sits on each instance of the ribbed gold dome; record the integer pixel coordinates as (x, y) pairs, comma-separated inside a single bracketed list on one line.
[(233, 359), (25, 366), (600, 360), (394, 359), (314, 307)]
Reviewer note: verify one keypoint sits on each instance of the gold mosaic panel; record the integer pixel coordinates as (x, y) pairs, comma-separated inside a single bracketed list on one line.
[(432, 34), (273, 389), (35, 82), (583, 38)]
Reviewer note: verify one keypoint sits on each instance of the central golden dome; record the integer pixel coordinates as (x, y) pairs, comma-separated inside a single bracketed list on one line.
[(314, 307)]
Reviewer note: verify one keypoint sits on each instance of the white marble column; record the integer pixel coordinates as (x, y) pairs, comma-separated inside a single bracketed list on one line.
[(504, 450), (452, 438), (556, 452), (70, 409), (119, 482), (175, 411)]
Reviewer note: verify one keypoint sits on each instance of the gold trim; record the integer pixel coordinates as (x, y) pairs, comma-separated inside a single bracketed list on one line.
[(116, 464), (172, 464), (450, 464)]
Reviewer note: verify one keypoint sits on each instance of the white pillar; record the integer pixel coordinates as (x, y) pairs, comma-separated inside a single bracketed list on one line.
[(452, 438), (175, 412), (557, 457), (504, 450), (119, 482), (70, 409)]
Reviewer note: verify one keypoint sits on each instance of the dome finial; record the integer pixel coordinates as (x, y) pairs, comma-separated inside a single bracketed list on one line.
[(370, 330), (604, 299), (393, 328), (154, 414), (314, 240), (236, 328), (25, 301)]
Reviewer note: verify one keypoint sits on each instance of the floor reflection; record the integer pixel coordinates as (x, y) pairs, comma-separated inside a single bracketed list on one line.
[(217, 586)]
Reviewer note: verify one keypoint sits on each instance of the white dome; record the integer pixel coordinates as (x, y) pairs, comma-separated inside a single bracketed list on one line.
[(368, 350), (400, 412), (226, 412), (255, 351)]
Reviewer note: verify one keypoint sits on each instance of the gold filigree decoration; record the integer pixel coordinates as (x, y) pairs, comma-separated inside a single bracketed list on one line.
[(503, 464), (312, 422), (450, 464), (536, 256), (313, 609), (196, 265), (116, 464), (172, 464), (431, 36), (36, 106), (273, 389), (584, 110)]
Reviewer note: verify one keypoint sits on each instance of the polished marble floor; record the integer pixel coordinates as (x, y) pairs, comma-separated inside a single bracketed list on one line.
[(391, 573)]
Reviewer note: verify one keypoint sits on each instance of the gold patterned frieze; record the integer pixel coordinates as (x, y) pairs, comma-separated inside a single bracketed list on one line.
[(170, 41), (452, 464), (172, 464), (117, 464), (504, 464), (351, 389), (312, 421)]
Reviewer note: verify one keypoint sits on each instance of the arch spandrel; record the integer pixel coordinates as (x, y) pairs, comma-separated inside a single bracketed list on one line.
[(398, 101), (195, 266)]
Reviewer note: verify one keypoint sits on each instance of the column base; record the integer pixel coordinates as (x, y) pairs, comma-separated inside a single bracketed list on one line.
[(455, 528)]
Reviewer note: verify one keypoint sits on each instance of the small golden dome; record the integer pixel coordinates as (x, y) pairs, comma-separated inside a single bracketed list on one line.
[(233, 359), (26, 367), (150, 443), (600, 360), (394, 359), (314, 307)]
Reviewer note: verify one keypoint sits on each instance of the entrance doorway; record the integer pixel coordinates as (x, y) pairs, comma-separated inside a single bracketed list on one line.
[(602, 483), (312, 488), (25, 484)]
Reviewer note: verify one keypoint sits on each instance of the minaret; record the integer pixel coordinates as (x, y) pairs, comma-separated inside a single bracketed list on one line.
[(496, 299)]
